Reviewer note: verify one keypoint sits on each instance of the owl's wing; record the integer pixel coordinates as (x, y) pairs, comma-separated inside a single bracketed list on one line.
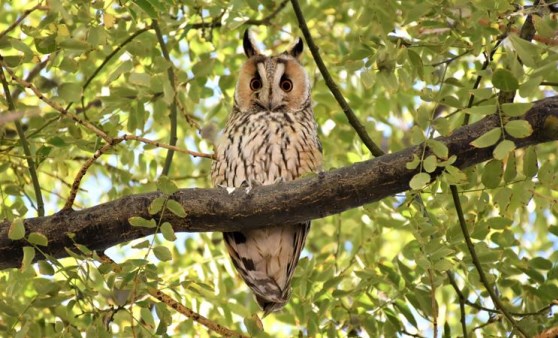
[(266, 260)]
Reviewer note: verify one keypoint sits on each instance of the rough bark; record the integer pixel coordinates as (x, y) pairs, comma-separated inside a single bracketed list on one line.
[(328, 193)]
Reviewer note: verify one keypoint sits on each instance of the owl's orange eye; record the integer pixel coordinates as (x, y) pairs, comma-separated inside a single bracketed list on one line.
[(255, 84), (286, 85)]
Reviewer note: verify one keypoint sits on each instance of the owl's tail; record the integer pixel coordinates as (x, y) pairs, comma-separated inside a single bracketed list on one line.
[(270, 306)]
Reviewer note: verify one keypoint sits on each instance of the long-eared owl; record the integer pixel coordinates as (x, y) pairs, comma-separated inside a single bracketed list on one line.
[(270, 136)]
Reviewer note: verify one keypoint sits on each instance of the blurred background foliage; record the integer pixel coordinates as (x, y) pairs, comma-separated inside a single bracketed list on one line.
[(411, 70)]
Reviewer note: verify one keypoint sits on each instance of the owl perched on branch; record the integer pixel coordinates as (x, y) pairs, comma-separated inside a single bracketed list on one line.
[(270, 136)]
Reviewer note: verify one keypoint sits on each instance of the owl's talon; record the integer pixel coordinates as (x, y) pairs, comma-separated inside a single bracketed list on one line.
[(279, 180)]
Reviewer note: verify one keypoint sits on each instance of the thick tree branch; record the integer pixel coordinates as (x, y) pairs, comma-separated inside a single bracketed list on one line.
[(328, 193)]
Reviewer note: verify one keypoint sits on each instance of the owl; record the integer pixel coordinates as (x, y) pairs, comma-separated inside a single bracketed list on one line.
[(270, 136)]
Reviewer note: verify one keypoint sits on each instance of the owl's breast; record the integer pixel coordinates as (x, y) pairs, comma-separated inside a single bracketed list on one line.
[(265, 147)]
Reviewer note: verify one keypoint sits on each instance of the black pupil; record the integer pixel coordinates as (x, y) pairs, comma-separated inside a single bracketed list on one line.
[(255, 84), (286, 85)]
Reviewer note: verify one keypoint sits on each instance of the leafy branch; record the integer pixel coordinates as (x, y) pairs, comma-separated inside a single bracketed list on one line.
[(351, 116), (39, 6), (173, 108), (476, 262), (24, 145)]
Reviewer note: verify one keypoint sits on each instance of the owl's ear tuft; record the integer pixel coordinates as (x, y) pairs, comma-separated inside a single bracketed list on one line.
[(249, 47), (296, 49)]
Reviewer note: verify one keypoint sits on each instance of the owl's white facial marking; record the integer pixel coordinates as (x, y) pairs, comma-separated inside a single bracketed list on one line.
[(271, 96)]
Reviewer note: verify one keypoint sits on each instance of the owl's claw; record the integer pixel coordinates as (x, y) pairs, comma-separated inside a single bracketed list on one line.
[(279, 179), (230, 190), (249, 184)]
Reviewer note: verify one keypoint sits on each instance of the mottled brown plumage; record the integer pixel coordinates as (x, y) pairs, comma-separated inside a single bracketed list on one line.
[(270, 136)]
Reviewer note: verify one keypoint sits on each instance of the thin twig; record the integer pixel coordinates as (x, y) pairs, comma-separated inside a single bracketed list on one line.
[(353, 119), (77, 180), (56, 106), (476, 262), (462, 300), (491, 320), (24, 145), (34, 72), (96, 130), (127, 137), (170, 302), (450, 60), (211, 325), (173, 108), (479, 77), (21, 18)]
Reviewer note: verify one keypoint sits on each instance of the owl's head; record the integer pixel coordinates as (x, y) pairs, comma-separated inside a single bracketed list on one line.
[(272, 83)]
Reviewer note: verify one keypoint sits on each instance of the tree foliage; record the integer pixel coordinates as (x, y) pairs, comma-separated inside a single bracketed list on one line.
[(103, 100)]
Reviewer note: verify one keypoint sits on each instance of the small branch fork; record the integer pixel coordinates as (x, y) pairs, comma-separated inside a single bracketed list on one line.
[(170, 302), (22, 17)]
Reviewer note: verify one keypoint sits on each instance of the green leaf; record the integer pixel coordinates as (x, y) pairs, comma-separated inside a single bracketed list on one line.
[(166, 186), (147, 317), (481, 110), (28, 256), (530, 165), (7, 309), (176, 208), (141, 245), (443, 265), (70, 91), (438, 148), (419, 181), (511, 168), (540, 263), (499, 223), (504, 80), (168, 232), (142, 222), (162, 253), (140, 79), (526, 51), (147, 8), (492, 174), (17, 230), (417, 135), (38, 239), (488, 139), (518, 128), (156, 205), (414, 163), (429, 163), (45, 268), (503, 149), (516, 109)]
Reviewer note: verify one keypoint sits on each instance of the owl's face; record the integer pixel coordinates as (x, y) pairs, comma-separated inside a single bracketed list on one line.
[(275, 84)]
